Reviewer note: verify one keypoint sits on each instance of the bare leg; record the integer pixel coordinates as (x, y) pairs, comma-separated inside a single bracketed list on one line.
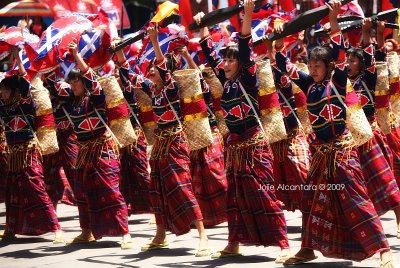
[(161, 235), (387, 259), (397, 213), (203, 244), (304, 255)]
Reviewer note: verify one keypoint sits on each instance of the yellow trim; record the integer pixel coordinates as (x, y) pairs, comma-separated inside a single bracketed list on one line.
[(296, 89), (191, 117), (263, 92), (270, 111), (394, 80), (149, 124), (115, 103), (118, 121), (44, 112), (193, 99), (382, 92), (145, 109)]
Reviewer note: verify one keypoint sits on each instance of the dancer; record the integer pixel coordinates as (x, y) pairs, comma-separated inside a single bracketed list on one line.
[(29, 210), (255, 216), (341, 222)]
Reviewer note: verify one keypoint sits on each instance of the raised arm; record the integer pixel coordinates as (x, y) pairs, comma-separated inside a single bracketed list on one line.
[(153, 35), (248, 11), (15, 52)]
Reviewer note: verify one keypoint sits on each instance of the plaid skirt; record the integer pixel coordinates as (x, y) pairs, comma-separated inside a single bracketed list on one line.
[(339, 219), (255, 216), (135, 176), (290, 166), (60, 176), (29, 210), (171, 192), (101, 206), (209, 181), (381, 184), (3, 168), (394, 144)]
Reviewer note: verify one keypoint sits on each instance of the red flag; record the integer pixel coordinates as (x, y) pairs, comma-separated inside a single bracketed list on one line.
[(186, 13), (287, 5)]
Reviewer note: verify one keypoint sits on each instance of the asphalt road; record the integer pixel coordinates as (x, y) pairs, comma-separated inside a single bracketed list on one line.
[(40, 252)]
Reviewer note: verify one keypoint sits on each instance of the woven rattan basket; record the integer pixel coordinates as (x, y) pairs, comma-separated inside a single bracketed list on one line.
[(383, 115), (302, 111), (216, 89), (271, 118), (144, 103), (358, 125), (196, 126), (46, 134), (121, 127)]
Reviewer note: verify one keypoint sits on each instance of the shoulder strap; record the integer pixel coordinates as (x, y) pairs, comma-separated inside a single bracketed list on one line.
[(107, 127), (172, 109), (252, 107), (367, 90), (337, 94), (29, 125), (290, 107), (133, 113)]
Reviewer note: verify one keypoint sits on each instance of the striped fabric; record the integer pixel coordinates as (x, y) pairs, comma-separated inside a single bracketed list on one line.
[(209, 181), (382, 187), (29, 210), (26, 8), (3, 166), (290, 166), (394, 144), (171, 193), (339, 220), (255, 216), (55, 180), (101, 205), (135, 176)]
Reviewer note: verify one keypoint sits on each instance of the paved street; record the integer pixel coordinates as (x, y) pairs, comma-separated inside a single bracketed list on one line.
[(40, 252)]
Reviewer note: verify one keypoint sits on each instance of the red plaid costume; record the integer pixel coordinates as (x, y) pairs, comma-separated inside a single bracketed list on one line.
[(209, 181), (290, 166), (255, 216), (3, 165), (59, 170), (101, 206), (394, 144), (381, 184), (340, 222), (29, 210), (171, 193), (135, 179)]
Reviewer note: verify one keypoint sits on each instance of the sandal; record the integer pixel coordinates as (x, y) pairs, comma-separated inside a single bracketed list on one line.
[(384, 263), (153, 245), (58, 238), (225, 253), (7, 236), (203, 252), (282, 258), (298, 260), (82, 240), (126, 244)]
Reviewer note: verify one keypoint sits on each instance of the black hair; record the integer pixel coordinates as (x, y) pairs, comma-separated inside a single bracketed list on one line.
[(358, 53), (10, 83), (230, 52), (321, 53), (74, 74)]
